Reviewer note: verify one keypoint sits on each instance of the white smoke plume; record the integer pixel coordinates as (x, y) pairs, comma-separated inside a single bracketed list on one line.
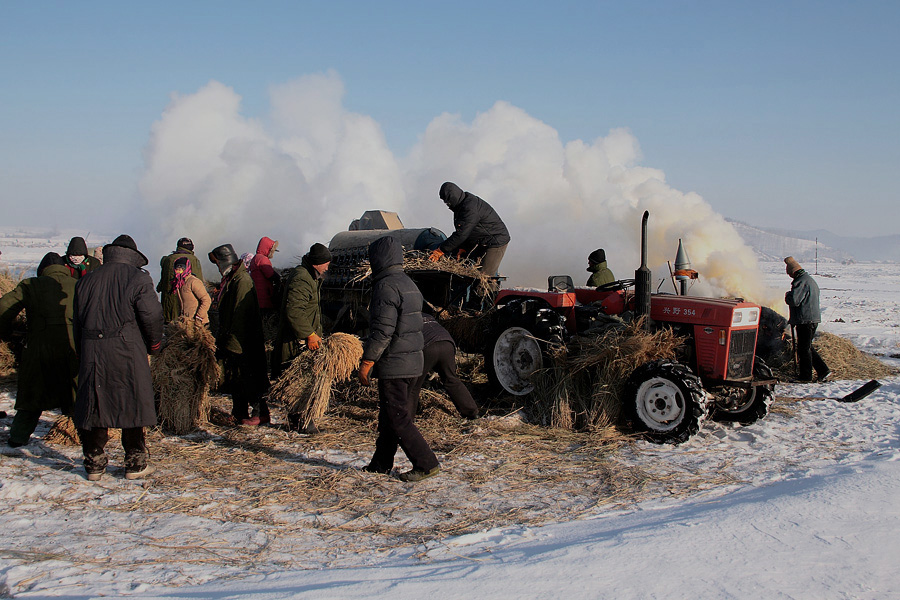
[(303, 176)]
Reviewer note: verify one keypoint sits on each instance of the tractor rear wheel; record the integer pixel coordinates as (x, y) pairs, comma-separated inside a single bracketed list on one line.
[(746, 406), (512, 359), (665, 402), (525, 332)]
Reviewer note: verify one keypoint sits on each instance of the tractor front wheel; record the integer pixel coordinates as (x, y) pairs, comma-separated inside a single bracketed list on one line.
[(746, 406), (665, 401)]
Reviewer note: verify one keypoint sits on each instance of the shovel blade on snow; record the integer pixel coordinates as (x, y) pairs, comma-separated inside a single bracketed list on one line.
[(860, 392)]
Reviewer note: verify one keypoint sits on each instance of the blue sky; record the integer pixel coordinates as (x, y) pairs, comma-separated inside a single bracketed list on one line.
[(777, 113)]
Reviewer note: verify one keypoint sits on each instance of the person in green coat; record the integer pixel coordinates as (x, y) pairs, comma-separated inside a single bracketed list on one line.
[(49, 365), (239, 339), (600, 273), (168, 295), (300, 314)]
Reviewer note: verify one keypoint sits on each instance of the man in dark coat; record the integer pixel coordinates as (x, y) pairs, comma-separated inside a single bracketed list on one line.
[(394, 350), (239, 340), (301, 317), (440, 356), (49, 365), (118, 322), (480, 233), (169, 297), (805, 316), (78, 259)]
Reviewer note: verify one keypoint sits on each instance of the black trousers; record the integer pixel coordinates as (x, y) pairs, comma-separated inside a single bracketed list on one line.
[(247, 386), (440, 357), (93, 443), (396, 428), (807, 357)]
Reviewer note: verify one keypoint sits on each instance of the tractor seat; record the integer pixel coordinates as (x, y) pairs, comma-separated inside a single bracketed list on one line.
[(560, 283)]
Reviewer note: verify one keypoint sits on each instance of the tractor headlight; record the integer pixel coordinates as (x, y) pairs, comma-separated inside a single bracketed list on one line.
[(745, 316)]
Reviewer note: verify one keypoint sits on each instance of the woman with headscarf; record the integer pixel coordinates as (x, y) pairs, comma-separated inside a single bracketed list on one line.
[(191, 292)]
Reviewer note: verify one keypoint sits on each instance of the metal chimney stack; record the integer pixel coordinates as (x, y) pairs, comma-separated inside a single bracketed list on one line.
[(642, 278)]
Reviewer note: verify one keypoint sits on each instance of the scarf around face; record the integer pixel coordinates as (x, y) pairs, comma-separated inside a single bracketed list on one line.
[(179, 280)]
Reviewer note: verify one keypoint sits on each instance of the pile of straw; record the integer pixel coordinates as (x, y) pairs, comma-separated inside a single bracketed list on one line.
[(306, 386), (582, 389), (182, 374), (846, 361)]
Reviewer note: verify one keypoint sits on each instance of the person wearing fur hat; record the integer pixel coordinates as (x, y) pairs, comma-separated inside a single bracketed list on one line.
[(170, 303), (600, 273), (49, 365), (191, 292), (239, 339), (78, 260), (300, 326), (805, 316), (117, 323)]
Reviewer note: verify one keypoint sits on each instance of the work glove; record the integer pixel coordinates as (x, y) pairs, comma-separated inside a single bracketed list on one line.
[(364, 368), (460, 254), (312, 342), (436, 255)]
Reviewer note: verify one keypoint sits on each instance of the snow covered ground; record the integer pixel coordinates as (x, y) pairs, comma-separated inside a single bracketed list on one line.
[(807, 508)]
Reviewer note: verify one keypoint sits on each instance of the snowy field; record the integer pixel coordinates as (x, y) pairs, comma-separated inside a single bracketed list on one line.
[(807, 508)]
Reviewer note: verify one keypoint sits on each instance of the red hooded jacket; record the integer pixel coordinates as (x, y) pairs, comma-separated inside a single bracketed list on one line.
[(264, 276)]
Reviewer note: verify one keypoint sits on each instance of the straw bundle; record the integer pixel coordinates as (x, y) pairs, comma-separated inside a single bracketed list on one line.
[(64, 433), (182, 374), (469, 330), (305, 387), (582, 388), (8, 281)]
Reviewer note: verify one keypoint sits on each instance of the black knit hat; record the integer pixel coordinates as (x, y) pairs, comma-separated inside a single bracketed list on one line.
[(77, 247), (319, 254), (597, 256), (181, 262), (51, 258), (126, 241), (185, 243)]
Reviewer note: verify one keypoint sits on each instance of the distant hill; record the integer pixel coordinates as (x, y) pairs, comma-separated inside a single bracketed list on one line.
[(775, 244)]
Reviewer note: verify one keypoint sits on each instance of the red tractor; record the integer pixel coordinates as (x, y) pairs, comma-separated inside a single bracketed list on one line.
[(716, 371)]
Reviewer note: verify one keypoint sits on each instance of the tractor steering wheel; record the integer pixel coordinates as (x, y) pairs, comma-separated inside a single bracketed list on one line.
[(614, 286)]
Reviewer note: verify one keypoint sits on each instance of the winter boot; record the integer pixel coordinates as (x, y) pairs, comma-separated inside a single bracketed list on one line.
[(138, 472), (416, 475)]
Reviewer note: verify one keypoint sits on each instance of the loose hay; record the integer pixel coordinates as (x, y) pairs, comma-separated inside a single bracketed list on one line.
[(182, 374), (583, 387), (846, 361), (8, 281), (306, 386)]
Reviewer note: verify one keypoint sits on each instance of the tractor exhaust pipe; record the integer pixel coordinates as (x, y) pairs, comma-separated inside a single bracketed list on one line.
[(642, 279)]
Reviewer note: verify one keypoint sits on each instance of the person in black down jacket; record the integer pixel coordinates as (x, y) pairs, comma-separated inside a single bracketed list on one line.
[(394, 349), (440, 356), (480, 232), (118, 321)]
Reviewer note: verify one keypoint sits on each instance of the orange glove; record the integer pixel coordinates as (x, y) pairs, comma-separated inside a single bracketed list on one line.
[(460, 254), (436, 255), (364, 368), (312, 342)]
